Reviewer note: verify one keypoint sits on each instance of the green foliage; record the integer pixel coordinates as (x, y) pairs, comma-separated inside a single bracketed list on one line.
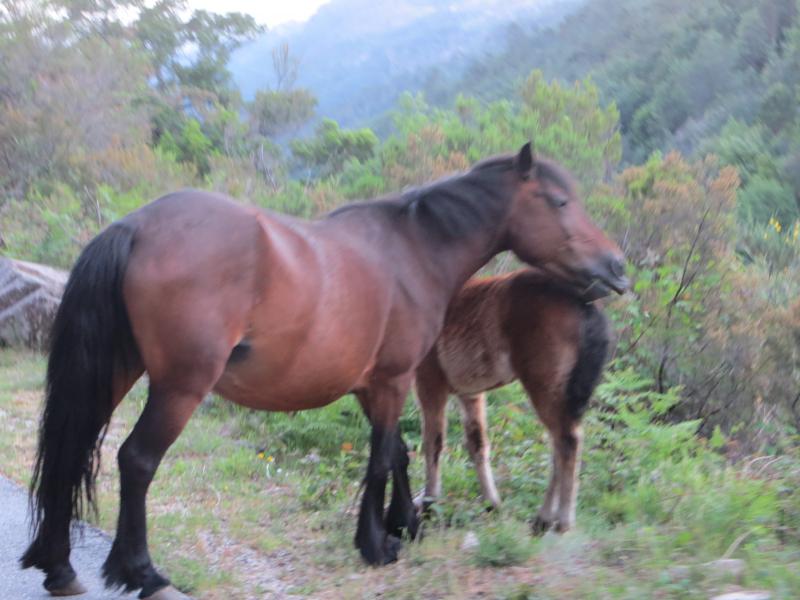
[(678, 73), (565, 123), (276, 112), (764, 198), (503, 544), (778, 108), (331, 147)]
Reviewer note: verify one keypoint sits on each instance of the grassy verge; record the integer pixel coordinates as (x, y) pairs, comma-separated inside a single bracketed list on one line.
[(252, 505)]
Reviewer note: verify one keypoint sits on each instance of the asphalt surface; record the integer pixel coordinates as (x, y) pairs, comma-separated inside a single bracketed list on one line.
[(87, 555)]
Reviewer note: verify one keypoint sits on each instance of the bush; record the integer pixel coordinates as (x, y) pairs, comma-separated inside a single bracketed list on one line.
[(503, 544)]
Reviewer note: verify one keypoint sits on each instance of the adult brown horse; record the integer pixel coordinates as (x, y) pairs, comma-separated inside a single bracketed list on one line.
[(276, 314), (525, 325)]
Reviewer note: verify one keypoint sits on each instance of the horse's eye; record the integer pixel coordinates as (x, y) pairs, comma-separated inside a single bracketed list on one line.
[(557, 200)]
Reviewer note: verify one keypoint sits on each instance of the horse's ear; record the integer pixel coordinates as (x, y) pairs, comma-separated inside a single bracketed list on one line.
[(524, 161)]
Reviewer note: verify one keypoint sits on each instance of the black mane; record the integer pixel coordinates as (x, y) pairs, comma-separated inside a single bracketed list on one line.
[(455, 206)]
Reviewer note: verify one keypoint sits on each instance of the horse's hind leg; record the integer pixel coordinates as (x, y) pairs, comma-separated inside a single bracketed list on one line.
[(401, 514), (168, 408), (477, 442)]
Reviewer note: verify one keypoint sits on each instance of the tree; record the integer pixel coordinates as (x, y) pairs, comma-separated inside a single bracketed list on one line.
[(778, 108), (755, 41), (274, 113), (285, 67), (213, 37), (331, 147)]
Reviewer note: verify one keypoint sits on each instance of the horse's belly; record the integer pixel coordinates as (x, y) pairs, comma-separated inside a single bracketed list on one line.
[(302, 368), (281, 394)]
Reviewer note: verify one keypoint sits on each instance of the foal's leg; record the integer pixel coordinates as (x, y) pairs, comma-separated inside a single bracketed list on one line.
[(547, 401), (432, 390), (383, 404), (547, 511), (167, 410), (567, 443), (477, 442)]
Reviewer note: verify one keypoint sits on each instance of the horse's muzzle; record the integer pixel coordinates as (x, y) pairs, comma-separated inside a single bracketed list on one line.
[(609, 272)]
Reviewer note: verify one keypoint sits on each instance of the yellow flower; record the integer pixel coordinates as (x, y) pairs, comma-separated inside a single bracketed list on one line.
[(270, 459), (260, 455)]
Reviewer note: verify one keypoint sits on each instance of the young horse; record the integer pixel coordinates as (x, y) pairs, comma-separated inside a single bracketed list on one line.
[(276, 314), (527, 326)]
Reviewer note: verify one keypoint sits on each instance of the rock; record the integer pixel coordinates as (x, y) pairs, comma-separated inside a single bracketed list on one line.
[(743, 595), (29, 297), (470, 541), (732, 567)]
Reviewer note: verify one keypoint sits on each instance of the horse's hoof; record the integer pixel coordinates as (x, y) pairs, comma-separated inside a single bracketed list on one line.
[(391, 547), (73, 588), (167, 593), (540, 526)]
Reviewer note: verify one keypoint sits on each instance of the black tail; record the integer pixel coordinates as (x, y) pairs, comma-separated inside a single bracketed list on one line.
[(592, 350), (91, 341)]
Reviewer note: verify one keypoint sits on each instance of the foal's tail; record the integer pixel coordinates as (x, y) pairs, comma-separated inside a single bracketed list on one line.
[(592, 351), (91, 342)]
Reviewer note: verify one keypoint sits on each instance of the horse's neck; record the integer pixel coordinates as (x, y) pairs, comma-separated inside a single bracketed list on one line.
[(459, 260)]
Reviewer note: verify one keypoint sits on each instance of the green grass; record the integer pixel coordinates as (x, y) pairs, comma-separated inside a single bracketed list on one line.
[(251, 504)]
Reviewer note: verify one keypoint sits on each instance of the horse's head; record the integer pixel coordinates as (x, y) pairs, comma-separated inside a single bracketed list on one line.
[(549, 228)]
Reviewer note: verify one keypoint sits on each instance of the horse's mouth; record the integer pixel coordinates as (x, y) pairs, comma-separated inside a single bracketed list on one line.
[(620, 285), (590, 286)]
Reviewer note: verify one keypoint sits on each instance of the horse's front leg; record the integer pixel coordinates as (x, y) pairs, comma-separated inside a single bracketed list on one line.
[(383, 404)]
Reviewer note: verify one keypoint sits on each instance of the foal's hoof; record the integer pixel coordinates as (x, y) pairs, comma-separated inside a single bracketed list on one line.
[(560, 527), (424, 505), (540, 526), (167, 593), (73, 588)]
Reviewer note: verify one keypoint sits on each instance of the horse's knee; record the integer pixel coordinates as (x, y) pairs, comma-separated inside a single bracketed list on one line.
[(134, 465)]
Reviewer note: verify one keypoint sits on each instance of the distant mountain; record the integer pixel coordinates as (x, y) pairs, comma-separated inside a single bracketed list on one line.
[(357, 56)]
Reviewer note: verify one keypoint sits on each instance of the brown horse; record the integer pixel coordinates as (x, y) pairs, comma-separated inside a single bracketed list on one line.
[(527, 326), (276, 314)]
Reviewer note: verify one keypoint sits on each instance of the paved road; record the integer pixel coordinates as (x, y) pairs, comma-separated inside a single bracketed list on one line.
[(87, 556)]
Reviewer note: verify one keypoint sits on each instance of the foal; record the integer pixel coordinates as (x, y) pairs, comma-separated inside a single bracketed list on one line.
[(523, 325), (278, 314)]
